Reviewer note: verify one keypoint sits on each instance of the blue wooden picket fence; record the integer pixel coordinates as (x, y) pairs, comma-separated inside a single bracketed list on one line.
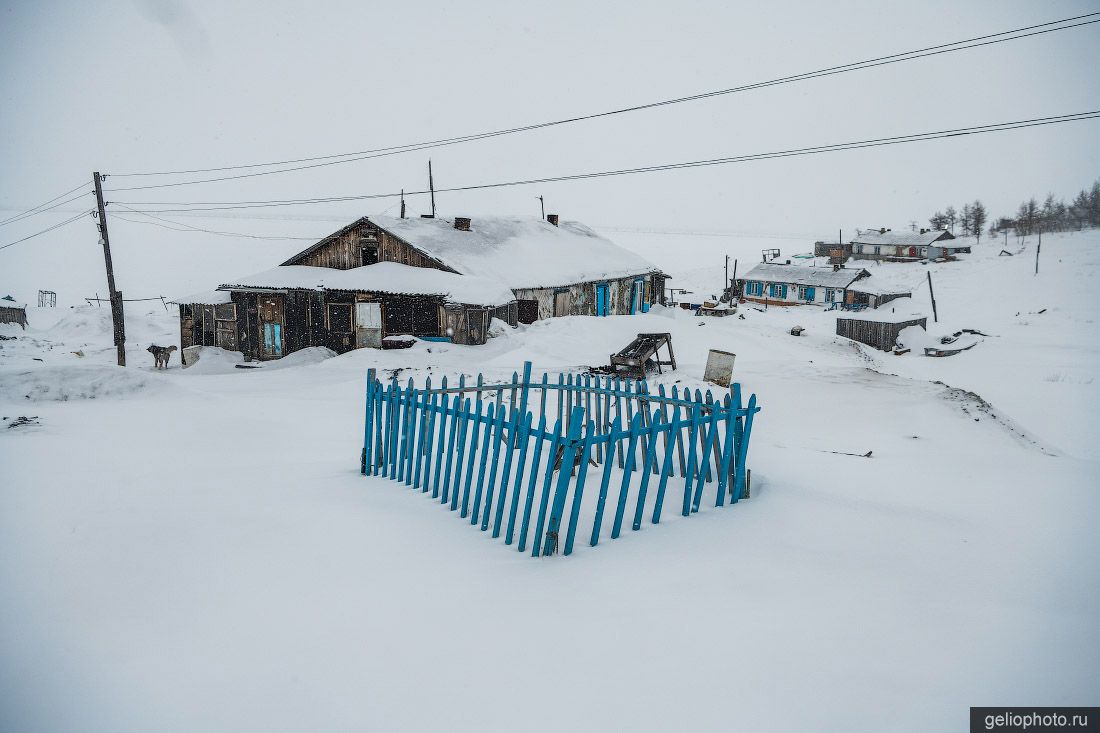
[(491, 451)]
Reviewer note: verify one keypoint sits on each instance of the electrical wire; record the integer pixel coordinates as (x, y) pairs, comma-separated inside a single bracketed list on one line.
[(38, 209), (49, 229), (795, 152), (182, 227), (327, 160)]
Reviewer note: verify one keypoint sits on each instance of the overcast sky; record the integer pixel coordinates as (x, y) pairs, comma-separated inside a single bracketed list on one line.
[(148, 85)]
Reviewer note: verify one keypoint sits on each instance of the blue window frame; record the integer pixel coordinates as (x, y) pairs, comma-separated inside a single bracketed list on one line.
[(777, 290)]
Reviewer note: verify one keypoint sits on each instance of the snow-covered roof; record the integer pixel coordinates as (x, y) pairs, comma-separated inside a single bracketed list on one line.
[(896, 311), (383, 277), (209, 297), (521, 252), (901, 239), (800, 275), (12, 304)]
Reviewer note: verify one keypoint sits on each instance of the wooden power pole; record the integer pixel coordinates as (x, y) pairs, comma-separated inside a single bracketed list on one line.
[(1038, 248), (935, 316), (117, 316)]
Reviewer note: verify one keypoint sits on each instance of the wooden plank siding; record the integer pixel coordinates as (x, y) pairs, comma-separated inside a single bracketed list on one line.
[(582, 296), (879, 334), (344, 250)]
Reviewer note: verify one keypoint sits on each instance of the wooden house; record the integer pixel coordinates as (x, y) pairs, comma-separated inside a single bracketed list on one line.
[(891, 246), (12, 312), (432, 278), (553, 267), (776, 284)]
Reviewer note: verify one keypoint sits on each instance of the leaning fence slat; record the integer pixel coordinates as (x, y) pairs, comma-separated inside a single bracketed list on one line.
[(569, 450), (710, 428), (648, 467), (624, 486), (492, 434), (463, 421), (613, 435), (726, 452), (693, 428), (547, 479), (534, 482), (534, 476), (424, 457), (524, 439), (506, 472), (578, 490), (666, 469), (750, 411), (446, 446), (475, 418)]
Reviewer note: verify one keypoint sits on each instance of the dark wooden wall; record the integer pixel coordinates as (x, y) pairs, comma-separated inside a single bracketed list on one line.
[(344, 251), (878, 334)]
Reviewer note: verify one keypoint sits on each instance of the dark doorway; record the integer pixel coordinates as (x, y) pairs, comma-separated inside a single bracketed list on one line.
[(368, 255), (528, 311)]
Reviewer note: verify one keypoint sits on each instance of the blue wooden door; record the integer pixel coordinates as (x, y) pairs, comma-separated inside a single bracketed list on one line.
[(810, 293), (273, 340), (636, 296), (601, 299)]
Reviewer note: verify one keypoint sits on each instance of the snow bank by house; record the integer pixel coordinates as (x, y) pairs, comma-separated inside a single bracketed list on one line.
[(72, 382)]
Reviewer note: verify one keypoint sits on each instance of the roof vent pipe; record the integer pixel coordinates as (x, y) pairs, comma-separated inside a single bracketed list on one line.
[(552, 218), (462, 223)]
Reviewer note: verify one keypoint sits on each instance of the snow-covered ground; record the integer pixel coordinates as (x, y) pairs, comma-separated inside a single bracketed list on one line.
[(196, 550)]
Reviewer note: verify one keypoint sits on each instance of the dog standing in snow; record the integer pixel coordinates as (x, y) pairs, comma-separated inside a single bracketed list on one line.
[(161, 355)]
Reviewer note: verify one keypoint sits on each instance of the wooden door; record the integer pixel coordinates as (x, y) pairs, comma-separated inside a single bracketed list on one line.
[(271, 326), (601, 299), (368, 325), (561, 303)]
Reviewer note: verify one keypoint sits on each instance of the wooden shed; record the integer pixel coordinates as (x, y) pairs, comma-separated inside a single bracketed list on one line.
[(880, 331), (12, 312)]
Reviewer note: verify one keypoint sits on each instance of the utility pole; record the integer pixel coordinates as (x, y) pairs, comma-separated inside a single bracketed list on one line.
[(1038, 248), (542, 204), (402, 203), (733, 283), (935, 316), (117, 316), (726, 282), (431, 186)]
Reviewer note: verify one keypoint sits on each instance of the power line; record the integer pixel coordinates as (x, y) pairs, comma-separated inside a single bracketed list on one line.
[(795, 152), (327, 160), (49, 229), (38, 209), (182, 227)]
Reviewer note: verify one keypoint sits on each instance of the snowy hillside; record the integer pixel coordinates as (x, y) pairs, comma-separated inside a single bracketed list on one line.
[(196, 550)]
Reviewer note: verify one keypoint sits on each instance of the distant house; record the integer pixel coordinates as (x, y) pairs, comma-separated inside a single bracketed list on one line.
[(777, 284), (432, 278), (885, 244), (12, 312)]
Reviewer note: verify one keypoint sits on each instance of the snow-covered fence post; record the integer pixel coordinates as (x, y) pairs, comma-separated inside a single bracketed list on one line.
[(569, 451)]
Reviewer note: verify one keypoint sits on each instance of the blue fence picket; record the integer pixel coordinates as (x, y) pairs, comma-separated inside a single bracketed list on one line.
[(613, 437), (534, 481), (548, 477), (463, 420), (506, 472), (578, 490), (493, 421), (524, 440), (569, 450), (693, 429), (708, 430), (648, 467)]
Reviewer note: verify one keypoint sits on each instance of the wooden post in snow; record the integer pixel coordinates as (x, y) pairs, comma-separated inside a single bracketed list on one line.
[(935, 318)]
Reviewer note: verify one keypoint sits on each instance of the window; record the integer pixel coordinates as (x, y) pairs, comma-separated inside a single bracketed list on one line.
[(807, 293), (876, 249), (777, 290), (830, 295)]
